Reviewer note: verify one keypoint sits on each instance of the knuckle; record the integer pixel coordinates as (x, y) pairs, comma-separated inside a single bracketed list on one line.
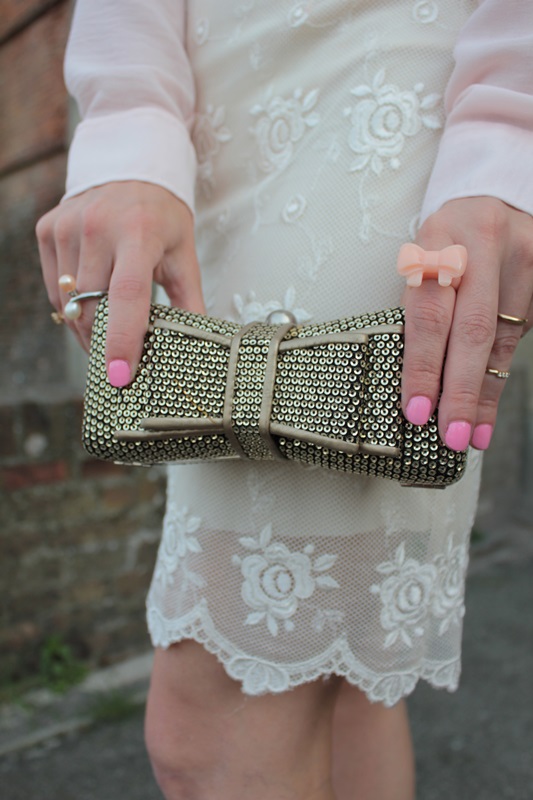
[(141, 223), (44, 229), (488, 404), (64, 230), (431, 229), (128, 288), (424, 368), (431, 319), (93, 221), (119, 341), (522, 253), (462, 396), (476, 327), (493, 222), (504, 347)]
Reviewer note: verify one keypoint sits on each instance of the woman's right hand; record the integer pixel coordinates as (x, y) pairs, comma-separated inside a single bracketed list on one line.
[(121, 236)]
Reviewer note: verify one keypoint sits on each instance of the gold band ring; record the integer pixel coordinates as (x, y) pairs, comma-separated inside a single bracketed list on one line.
[(498, 373), (512, 320)]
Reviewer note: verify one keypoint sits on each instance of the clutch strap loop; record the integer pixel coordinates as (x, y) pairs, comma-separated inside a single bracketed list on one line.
[(268, 390), (229, 395)]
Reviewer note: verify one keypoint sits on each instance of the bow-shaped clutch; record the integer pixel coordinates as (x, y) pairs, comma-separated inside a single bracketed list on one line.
[(326, 394)]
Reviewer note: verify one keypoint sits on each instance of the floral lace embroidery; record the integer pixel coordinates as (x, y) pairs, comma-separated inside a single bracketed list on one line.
[(411, 591), (276, 579), (298, 15), (382, 118), (251, 310), (280, 124), (425, 11), (320, 247), (208, 134), (448, 602), (177, 542), (406, 595), (259, 676)]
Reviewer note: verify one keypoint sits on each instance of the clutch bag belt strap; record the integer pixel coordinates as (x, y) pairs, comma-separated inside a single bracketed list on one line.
[(249, 390)]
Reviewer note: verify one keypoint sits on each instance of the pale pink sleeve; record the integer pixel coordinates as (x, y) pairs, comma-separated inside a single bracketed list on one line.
[(128, 70), (487, 144)]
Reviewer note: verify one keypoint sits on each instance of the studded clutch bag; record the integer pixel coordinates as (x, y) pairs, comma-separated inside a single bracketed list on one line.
[(326, 394)]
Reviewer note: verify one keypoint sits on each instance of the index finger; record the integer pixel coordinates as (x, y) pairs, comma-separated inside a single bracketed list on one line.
[(428, 319), (130, 293)]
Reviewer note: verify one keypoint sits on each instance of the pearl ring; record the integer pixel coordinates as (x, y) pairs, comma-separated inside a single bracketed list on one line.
[(72, 310)]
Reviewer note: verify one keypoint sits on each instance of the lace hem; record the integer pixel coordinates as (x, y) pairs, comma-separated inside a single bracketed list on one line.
[(259, 676)]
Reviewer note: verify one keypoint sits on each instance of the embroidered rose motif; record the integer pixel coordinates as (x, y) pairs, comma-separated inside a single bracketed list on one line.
[(294, 209), (208, 134), (383, 117), (406, 595), (425, 11), (250, 309), (448, 599), (298, 15), (276, 579), (280, 125), (176, 543)]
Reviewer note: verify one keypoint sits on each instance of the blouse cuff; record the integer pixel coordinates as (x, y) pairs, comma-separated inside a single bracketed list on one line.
[(143, 144), (477, 159)]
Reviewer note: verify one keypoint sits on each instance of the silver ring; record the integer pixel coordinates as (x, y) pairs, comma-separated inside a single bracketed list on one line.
[(498, 373), (72, 309)]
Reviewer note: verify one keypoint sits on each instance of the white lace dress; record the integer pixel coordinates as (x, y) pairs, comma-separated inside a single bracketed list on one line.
[(317, 127), (316, 130)]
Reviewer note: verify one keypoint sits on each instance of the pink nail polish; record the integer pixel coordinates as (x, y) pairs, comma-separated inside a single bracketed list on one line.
[(418, 410), (482, 436), (458, 435), (119, 373)]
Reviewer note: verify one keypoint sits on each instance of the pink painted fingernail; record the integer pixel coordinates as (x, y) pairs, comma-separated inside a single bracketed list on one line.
[(482, 436), (119, 373), (458, 435), (418, 410)]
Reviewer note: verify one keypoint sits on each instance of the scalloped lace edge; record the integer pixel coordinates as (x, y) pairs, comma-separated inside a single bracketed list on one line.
[(260, 676)]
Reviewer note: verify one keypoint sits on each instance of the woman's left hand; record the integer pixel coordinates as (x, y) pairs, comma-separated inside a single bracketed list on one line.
[(462, 323)]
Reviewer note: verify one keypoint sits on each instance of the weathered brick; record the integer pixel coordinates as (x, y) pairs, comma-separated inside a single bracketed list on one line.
[(87, 593), (133, 583), (17, 635), (146, 555), (27, 194), (23, 476), (93, 468), (17, 13), (120, 498), (33, 99), (34, 358), (8, 433)]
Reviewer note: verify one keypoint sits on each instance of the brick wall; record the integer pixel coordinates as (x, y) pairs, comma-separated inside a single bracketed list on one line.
[(77, 541), (33, 139), (77, 537)]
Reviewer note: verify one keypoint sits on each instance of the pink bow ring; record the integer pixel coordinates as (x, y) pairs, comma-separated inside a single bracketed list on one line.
[(417, 264)]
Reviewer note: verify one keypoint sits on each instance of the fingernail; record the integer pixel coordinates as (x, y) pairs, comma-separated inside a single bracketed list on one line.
[(482, 436), (458, 435), (418, 410), (119, 373)]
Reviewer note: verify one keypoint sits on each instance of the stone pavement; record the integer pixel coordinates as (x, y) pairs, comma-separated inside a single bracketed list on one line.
[(475, 743)]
